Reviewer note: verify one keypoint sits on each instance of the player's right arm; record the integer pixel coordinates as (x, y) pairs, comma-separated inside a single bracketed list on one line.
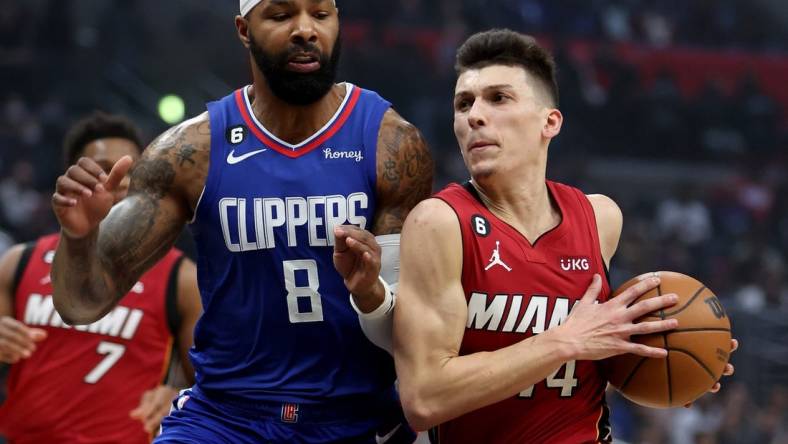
[(436, 383), (17, 341), (104, 249)]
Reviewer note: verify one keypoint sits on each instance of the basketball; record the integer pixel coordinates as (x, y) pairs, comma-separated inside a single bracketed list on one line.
[(698, 348)]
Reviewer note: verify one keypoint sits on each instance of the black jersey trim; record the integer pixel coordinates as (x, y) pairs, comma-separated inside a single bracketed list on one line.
[(174, 319), (24, 259)]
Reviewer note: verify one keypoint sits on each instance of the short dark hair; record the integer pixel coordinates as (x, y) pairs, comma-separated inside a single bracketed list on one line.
[(510, 48), (98, 125)]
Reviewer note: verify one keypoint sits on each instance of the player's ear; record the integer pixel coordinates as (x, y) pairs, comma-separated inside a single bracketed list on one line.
[(242, 27), (553, 122)]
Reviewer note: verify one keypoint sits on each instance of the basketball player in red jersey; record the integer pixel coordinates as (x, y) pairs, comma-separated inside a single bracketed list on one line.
[(99, 383), (490, 270)]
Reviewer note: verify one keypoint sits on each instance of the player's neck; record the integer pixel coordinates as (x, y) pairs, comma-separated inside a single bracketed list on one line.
[(293, 123), (521, 200)]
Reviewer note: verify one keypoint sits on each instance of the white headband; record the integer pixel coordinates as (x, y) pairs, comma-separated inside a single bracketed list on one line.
[(247, 5)]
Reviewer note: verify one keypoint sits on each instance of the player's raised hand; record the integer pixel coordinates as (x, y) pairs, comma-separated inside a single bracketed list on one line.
[(154, 406), (85, 194), (597, 331), (17, 340), (357, 259)]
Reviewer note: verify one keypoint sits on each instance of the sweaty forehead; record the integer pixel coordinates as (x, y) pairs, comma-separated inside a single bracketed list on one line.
[(477, 80)]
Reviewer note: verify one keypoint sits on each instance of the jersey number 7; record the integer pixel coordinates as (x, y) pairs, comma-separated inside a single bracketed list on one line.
[(113, 352)]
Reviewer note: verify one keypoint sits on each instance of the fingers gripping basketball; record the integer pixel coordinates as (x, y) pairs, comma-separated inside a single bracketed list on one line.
[(698, 349)]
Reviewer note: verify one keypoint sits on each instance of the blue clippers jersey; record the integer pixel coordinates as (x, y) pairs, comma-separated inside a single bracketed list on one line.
[(278, 325)]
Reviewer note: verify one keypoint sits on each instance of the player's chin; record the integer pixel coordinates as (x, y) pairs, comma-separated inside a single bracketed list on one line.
[(480, 168)]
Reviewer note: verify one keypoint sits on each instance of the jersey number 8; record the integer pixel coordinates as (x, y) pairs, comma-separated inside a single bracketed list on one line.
[(315, 311)]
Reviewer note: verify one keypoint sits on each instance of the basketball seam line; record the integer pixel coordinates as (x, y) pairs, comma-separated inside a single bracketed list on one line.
[(632, 373), (688, 353), (703, 287)]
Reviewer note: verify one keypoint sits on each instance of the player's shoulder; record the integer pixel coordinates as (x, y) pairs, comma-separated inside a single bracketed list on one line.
[(433, 230), (10, 258), (13, 262), (396, 132), (432, 214), (605, 208), (609, 223), (176, 160), (404, 164), (193, 134), (402, 151), (16, 252)]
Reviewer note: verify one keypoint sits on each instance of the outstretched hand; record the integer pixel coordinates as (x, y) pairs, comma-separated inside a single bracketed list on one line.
[(85, 194)]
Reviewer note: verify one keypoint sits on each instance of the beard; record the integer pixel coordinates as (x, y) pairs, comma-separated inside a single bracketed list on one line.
[(297, 88)]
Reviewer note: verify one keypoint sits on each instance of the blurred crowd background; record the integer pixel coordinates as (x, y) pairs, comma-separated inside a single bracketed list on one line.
[(677, 109)]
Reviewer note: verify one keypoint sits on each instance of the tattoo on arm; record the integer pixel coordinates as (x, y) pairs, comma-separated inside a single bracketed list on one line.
[(131, 242), (144, 226), (185, 155), (95, 272), (405, 169)]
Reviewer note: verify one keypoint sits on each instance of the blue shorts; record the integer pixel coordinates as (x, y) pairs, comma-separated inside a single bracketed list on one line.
[(197, 418)]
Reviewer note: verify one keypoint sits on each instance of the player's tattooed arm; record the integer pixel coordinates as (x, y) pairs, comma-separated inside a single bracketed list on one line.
[(95, 271), (404, 172)]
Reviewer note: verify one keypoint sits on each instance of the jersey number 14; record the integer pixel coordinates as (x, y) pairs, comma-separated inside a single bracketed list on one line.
[(567, 384)]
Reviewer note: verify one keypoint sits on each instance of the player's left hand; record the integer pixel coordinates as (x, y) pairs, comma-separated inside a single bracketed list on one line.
[(154, 406), (357, 259), (727, 372)]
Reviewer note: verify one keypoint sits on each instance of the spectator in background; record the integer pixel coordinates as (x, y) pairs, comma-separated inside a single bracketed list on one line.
[(19, 201), (16, 41), (698, 424), (737, 424), (684, 216)]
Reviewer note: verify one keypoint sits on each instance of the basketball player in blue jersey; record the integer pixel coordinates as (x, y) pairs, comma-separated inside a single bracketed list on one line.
[(279, 182)]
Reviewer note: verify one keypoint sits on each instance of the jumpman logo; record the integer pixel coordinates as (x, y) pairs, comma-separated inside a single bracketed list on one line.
[(496, 258)]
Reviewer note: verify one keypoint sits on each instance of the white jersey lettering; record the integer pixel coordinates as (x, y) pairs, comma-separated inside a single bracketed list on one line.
[(39, 309), (120, 322), (249, 227), (488, 316), (481, 314)]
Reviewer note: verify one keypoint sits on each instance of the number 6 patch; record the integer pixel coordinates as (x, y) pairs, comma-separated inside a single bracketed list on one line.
[(236, 134), (480, 225)]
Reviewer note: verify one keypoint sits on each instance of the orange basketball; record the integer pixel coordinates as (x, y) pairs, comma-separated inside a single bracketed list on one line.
[(698, 348)]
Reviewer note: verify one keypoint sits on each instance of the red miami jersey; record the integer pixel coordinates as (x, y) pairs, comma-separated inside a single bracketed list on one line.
[(515, 290), (81, 383)]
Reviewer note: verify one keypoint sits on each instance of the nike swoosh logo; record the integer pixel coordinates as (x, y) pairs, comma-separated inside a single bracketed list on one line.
[(232, 159), (382, 439)]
